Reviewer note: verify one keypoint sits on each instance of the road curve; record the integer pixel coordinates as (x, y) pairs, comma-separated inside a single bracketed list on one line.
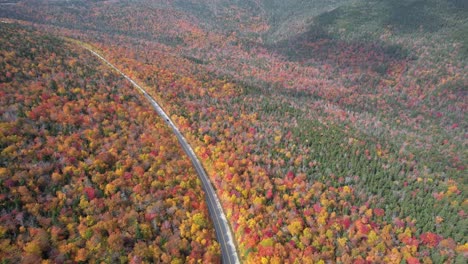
[(222, 228)]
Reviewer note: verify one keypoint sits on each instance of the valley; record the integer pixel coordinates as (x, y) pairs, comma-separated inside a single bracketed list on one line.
[(331, 131)]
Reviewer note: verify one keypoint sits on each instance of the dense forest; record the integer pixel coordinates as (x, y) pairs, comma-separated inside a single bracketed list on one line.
[(88, 171), (332, 131)]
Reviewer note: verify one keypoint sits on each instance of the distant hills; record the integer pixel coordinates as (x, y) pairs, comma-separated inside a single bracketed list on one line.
[(284, 20), (331, 130)]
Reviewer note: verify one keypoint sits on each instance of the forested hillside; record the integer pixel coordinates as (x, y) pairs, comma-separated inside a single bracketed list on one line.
[(87, 171), (333, 131)]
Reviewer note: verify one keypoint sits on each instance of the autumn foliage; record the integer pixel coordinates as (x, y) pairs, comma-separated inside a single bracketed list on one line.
[(324, 148), (298, 185), (88, 172)]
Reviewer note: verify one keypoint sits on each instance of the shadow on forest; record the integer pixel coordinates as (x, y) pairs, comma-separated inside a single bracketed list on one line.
[(318, 46), (403, 16), (413, 16), (323, 39)]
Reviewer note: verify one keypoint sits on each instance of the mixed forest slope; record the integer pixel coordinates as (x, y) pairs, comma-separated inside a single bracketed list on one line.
[(88, 172), (341, 139)]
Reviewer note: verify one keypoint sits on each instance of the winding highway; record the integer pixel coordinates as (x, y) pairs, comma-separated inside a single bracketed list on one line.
[(222, 228)]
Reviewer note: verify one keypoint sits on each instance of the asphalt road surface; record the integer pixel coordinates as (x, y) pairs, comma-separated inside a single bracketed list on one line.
[(222, 228)]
